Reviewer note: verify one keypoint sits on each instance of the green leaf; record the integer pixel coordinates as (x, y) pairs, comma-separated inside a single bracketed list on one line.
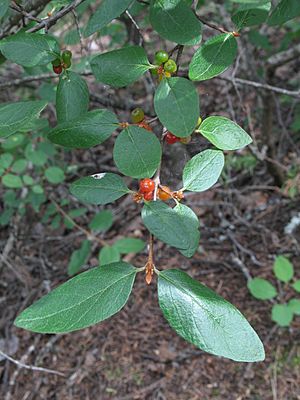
[(4, 7), (284, 11), (166, 224), (82, 301), (176, 104), (282, 314), (79, 257), (120, 67), (224, 134), (19, 166), (28, 180), (251, 14), (129, 245), (294, 305), (6, 160), (13, 116), (203, 170), (109, 254), (137, 152), (191, 223), (100, 188), (12, 141), (261, 289), (37, 157), (283, 269), (204, 318), (55, 175), (12, 181), (72, 97), (29, 49), (37, 189), (175, 21), (296, 286), (213, 57), (102, 221), (88, 130), (105, 13)]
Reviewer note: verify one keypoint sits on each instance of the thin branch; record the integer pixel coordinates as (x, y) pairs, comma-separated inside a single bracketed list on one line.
[(263, 86), (27, 79), (214, 26), (31, 367), (133, 21), (89, 235), (34, 8), (78, 30), (18, 8), (50, 21), (283, 57)]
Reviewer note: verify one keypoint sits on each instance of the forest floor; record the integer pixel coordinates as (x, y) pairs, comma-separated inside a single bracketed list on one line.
[(135, 354)]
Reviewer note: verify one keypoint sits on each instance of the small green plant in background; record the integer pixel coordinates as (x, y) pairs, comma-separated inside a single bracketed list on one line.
[(283, 312)]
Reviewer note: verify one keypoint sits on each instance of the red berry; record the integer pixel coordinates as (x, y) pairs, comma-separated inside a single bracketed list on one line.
[(148, 196), (58, 69), (170, 138), (147, 185)]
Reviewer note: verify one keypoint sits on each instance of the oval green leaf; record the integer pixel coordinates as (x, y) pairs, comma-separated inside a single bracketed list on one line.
[(282, 314), (296, 286), (79, 257), (82, 301), (224, 134), (12, 181), (203, 170), (137, 152), (88, 130), (166, 224), (108, 255), (100, 188), (261, 289), (105, 13), (72, 97), (251, 14), (121, 67), (204, 318), (213, 57), (176, 104), (284, 11), (13, 116), (175, 21), (54, 175), (283, 269), (29, 49), (191, 223), (102, 221), (129, 245), (294, 305)]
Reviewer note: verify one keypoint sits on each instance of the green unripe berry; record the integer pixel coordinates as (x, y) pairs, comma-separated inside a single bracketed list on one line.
[(137, 115), (154, 71), (161, 57), (56, 62), (66, 56), (170, 66)]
